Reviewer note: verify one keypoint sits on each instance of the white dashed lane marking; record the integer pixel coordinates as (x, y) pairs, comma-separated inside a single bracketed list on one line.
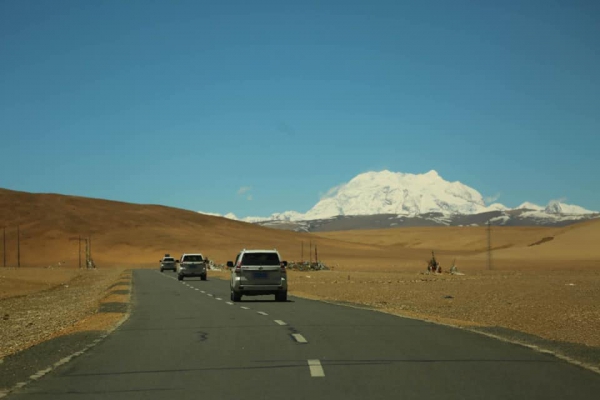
[(228, 302), (218, 298), (210, 295), (244, 308), (316, 369), (280, 322), (262, 313), (299, 338)]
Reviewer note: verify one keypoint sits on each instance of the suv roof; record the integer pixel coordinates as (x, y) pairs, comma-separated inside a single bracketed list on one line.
[(259, 251)]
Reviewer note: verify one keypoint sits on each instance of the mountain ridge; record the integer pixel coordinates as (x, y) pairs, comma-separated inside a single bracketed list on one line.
[(409, 195)]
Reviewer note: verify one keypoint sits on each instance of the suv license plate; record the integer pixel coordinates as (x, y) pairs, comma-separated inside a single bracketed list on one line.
[(260, 275)]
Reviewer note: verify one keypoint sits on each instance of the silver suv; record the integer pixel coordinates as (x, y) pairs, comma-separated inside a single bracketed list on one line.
[(258, 272), (191, 265), (167, 262)]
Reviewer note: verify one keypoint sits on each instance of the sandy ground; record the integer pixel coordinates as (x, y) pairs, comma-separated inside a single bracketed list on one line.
[(561, 306), (68, 301), (543, 281)]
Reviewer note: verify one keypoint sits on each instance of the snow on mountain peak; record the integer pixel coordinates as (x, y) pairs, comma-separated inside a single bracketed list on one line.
[(497, 207), (387, 192), (557, 207), (530, 206)]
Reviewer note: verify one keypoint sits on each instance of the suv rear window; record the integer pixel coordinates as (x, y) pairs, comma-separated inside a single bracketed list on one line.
[(168, 259), (192, 258), (260, 259)]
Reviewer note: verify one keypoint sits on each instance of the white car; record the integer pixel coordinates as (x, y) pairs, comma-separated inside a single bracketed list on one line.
[(167, 262), (258, 272), (191, 265)]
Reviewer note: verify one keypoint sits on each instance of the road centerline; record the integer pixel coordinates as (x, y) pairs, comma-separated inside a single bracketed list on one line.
[(299, 338), (316, 369)]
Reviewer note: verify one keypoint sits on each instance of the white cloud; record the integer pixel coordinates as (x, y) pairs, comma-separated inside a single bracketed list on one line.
[(244, 189), (491, 199), (331, 192), (249, 198), (209, 213), (559, 200)]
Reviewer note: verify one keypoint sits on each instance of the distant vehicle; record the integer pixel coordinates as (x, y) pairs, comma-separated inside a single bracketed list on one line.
[(167, 263), (258, 272), (191, 265)]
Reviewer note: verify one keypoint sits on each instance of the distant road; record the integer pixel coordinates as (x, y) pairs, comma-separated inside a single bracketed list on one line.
[(186, 340)]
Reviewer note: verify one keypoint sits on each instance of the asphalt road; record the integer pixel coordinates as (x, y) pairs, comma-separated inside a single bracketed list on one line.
[(186, 340)]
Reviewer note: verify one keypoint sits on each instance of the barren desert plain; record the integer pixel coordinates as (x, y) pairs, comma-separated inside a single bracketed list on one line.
[(542, 288)]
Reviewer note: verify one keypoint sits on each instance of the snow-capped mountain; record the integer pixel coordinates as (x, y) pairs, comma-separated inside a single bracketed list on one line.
[(409, 196), (388, 192), (530, 206), (556, 207)]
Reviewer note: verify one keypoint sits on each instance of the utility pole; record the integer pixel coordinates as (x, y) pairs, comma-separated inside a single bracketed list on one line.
[(302, 252), (316, 255), (79, 240), (489, 240), (4, 247), (18, 246), (90, 242), (87, 252), (309, 252)]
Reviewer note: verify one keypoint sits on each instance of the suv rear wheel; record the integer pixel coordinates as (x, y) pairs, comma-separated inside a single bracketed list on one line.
[(179, 277), (281, 296), (236, 296)]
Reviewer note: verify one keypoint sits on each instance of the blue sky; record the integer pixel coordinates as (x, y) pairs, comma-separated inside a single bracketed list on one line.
[(185, 103)]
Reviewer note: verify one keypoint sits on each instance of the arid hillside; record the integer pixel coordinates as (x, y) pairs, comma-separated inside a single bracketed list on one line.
[(132, 234), (512, 247), (137, 235), (544, 281)]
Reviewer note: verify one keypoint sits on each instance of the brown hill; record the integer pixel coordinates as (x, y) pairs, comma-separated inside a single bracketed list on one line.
[(134, 234), (137, 235)]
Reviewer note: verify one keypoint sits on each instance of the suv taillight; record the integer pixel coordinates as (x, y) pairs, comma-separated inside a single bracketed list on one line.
[(282, 267), (238, 267)]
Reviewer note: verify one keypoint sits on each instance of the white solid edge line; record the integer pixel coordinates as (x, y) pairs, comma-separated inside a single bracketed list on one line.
[(299, 338), (262, 313), (280, 322), (316, 369)]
